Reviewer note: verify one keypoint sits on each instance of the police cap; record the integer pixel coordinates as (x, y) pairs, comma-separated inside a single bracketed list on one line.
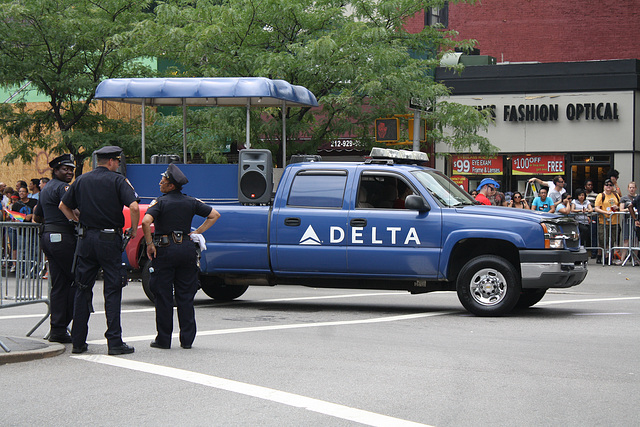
[(175, 175), (109, 152), (64, 160)]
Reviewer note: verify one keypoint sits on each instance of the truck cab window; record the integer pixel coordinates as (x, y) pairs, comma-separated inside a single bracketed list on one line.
[(382, 191), (318, 189)]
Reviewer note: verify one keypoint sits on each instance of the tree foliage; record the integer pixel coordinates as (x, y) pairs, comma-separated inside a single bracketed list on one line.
[(64, 48), (355, 56)]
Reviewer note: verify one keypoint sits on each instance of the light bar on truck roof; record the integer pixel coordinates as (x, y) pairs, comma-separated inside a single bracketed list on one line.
[(388, 153)]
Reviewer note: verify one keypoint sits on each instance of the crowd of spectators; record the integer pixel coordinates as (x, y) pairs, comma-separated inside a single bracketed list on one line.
[(596, 213)]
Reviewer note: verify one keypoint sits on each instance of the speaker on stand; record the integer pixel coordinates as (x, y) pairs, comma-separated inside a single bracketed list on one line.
[(255, 176)]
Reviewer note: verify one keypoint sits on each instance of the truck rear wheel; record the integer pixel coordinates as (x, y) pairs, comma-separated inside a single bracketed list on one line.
[(488, 286), (530, 297), (215, 288)]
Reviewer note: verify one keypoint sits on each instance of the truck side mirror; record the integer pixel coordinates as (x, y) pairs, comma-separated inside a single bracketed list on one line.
[(416, 203)]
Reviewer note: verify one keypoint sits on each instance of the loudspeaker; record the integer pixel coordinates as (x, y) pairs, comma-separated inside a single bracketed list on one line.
[(255, 176)]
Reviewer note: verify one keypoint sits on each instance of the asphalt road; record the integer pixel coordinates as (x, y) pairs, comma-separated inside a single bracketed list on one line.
[(300, 356)]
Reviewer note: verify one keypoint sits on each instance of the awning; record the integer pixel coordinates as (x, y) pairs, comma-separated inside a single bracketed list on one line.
[(207, 91)]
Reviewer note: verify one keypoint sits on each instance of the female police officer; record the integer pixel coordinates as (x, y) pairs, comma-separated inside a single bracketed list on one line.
[(174, 256)]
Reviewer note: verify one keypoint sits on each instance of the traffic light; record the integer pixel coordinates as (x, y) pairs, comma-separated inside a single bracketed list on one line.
[(255, 176), (387, 130)]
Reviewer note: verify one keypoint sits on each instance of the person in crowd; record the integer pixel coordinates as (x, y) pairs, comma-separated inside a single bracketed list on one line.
[(555, 188), (58, 242), (626, 203), (174, 256), (564, 207), (500, 199), (591, 195), (34, 188), (486, 189), (542, 203), (43, 182), (606, 205), (517, 201), (21, 183), (25, 204), (6, 197), (100, 196), (613, 175), (581, 208), (474, 193)]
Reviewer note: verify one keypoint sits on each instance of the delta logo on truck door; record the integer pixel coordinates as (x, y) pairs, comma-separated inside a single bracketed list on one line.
[(337, 235)]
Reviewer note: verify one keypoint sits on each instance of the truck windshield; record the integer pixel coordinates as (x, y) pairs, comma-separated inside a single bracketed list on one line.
[(445, 191)]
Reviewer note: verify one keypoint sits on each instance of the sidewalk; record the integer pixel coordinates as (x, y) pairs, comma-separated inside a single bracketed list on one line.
[(25, 349)]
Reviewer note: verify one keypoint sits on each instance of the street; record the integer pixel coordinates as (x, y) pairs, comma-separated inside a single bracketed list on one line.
[(301, 356)]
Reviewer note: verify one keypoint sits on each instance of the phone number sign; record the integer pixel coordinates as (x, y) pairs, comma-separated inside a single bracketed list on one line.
[(465, 164), (538, 165)]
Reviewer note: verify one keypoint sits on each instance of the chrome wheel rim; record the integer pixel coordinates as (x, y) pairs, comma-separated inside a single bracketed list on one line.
[(488, 287)]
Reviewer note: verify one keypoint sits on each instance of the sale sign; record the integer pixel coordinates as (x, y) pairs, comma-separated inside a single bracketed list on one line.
[(469, 164), (538, 165), (462, 181)]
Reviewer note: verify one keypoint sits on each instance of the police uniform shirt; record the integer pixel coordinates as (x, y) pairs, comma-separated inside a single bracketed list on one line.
[(100, 196), (50, 197), (174, 211)]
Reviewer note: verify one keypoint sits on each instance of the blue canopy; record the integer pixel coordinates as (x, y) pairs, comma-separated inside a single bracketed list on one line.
[(206, 91)]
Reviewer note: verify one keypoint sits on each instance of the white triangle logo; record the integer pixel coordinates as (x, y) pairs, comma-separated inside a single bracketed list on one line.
[(310, 237)]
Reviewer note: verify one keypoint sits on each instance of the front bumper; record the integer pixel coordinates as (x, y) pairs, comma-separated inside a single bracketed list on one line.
[(542, 269)]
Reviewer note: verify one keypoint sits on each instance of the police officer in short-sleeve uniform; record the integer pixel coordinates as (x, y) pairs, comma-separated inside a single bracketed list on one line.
[(100, 196), (58, 242), (174, 256)]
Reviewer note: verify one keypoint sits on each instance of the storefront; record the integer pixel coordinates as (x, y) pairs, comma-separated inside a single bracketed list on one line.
[(577, 120)]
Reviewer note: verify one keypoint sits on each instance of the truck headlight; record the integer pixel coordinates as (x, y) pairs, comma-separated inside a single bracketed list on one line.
[(553, 237)]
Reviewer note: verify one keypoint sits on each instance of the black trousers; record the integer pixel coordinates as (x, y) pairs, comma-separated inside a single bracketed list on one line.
[(59, 253), (175, 271), (94, 252)]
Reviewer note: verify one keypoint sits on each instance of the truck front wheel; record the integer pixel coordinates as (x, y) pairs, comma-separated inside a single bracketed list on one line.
[(488, 286), (215, 288)]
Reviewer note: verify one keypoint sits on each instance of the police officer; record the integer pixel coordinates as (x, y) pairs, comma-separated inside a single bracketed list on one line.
[(58, 241), (174, 256), (100, 196)]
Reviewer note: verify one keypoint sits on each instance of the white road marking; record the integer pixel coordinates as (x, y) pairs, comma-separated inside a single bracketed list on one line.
[(290, 326), (541, 303), (273, 395)]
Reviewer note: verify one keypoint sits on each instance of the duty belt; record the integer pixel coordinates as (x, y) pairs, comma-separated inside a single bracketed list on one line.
[(163, 240)]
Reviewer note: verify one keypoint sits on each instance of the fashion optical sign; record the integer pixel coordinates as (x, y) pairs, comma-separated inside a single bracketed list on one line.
[(590, 111)]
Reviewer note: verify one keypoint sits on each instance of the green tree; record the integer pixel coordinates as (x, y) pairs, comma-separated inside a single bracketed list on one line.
[(64, 48), (355, 56)]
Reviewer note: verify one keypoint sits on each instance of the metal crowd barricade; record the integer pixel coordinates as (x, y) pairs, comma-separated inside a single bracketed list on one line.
[(22, 268), (593, 236), (628, 242)]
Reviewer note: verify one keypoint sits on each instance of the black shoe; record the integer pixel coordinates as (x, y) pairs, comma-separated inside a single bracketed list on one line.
[(121, 349), (61, 338), (77, 350), (155, 344), (598, 260), (185, 346)]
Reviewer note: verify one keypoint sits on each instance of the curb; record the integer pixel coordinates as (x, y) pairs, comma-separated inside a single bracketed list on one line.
[(26, 349)]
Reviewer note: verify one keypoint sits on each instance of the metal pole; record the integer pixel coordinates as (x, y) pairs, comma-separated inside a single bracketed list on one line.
[(284, 134), (184, 130), (247, 144), (143, 133), (416, 130)]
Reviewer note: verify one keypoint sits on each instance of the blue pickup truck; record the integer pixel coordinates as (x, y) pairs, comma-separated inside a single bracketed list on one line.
[(389, 224)]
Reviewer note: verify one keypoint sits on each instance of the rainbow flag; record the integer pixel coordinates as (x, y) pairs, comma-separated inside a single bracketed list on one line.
[(15, 216)]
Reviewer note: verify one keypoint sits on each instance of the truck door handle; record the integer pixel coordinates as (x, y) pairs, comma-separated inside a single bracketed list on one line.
[(292, 222), (358, 222)]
